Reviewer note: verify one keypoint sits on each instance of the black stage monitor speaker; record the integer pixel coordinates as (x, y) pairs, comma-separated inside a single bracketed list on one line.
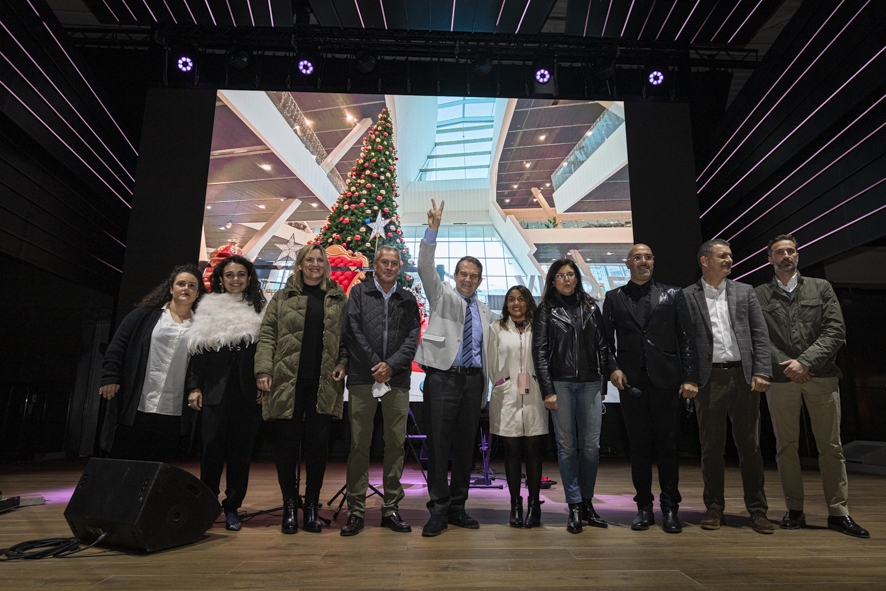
[(145, 506)]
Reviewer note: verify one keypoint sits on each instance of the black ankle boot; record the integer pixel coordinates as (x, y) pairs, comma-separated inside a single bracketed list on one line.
[(591, 516), (290, 517), (573, 525), (516, 517), (533, 513), (312, 518)]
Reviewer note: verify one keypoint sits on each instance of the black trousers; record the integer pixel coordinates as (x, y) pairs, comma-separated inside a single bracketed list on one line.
[(229, 430), (152, 437), (652, 422), (452, 408), (314, 427)]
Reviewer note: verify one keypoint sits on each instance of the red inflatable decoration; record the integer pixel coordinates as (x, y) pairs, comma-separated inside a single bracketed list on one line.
[(217, 256), (347, 268)]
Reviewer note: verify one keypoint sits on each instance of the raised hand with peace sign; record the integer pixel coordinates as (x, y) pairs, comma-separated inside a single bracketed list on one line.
[(435, 214)]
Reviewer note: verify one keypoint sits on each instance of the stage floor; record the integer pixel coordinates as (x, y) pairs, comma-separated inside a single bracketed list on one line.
[(495, 556)]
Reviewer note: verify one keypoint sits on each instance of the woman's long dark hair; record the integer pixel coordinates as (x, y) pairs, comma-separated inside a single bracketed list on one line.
[(530, 306), (160, 295), (252, 294), (550, 291)]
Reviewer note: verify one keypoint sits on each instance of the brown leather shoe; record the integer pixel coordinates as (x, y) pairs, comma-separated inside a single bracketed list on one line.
[(760, 524), (395, 523), (712, 519)]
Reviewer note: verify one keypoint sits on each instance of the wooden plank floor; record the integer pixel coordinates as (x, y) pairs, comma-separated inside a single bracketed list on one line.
[(493, 557)]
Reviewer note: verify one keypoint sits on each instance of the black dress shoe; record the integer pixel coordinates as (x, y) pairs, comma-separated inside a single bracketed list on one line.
[(845, 525), (395, 523), (793, 520), (643, 520), (591, 516), (533, 513), (669, 522), (232, 521), (460, 518), (312, 521), (515, 518), (290, 517), (435, 525), (573, 524), (353, 527)]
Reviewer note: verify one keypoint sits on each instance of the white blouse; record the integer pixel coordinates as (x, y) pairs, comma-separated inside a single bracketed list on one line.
[(164, 386)]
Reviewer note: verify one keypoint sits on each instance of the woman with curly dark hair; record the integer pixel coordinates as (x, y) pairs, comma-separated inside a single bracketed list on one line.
[(221, 383), (143, 371), (570, 352), (516, 410)]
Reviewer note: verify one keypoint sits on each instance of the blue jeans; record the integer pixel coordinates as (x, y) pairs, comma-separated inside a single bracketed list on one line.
[(577, 422)]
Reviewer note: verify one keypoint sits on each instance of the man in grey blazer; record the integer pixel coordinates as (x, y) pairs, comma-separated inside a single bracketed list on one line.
[(734, 368), (453, 354)]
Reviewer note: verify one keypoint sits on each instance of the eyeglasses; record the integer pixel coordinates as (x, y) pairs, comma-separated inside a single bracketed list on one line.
[(470, 276), (562, 276), (642, 257)]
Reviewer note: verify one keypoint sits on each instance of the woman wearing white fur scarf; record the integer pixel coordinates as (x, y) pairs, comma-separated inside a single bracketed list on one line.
[(221, 382)]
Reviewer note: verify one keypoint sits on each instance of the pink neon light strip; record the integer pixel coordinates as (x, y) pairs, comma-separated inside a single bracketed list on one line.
[(627, 18), (151, 12), (74, 152), (815, 219), (65, 121), (251, 16), (116, 18), (691, 12), (106, 263), (717, 3), (359, 14), (112, 237), (452, 20), (500, 11), (212, 16), (271, 13), (651, 8), (522, 16), (745, 21), (728, 16), (191, 12), (82, 77), (816, 175), (381, 4), (231, 13), (606, 20), (771, 88), (165, 3), (666, 19), (584, 31), (127, 8), (48, 79), (802, 123)]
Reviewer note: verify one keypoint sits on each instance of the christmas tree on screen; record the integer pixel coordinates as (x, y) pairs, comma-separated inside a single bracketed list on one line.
[(365, 216)]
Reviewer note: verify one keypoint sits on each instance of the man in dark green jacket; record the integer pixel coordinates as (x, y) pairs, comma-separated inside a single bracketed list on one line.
[(806, 330)]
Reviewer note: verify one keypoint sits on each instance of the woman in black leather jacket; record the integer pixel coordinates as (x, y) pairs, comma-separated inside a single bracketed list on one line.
[(569, 350)]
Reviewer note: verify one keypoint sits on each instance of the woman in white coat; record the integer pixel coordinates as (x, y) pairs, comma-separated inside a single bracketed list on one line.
[(516, 412)]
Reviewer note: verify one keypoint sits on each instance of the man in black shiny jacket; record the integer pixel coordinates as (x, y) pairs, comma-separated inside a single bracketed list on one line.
[(654, 361)]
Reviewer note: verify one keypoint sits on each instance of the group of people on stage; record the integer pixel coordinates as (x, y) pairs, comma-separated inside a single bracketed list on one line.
[(235, 358)]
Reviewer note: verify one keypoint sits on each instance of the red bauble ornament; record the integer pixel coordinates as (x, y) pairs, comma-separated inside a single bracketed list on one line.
[(386, 134), (346, 221), (368, 186), (353, 206), (375, 175), (357, 237), (391, 168), (353, 169), (401, 240), (399, 232), (379, 198), (390, 235), (385, 210), (366, 165), (373, 160)]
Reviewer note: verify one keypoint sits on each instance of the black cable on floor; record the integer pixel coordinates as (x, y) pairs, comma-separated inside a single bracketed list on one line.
[(47, 548)]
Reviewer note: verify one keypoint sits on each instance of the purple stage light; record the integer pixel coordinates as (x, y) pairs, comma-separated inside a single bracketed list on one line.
[(543, 75), (185, 64), (306, 67), (656, 77)]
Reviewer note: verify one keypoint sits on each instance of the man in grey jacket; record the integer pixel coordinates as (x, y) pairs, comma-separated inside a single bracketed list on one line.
[(453, 355), (806, 330), (380, 332), (734, 368)]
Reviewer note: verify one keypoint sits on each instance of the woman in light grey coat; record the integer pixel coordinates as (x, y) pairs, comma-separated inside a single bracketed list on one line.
[(516, 411)]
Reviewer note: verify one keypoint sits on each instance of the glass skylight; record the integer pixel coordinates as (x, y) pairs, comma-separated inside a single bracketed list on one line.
[(463, 144)]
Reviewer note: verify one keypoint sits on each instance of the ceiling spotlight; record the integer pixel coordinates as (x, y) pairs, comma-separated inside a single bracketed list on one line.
[(261, 206), (508, 200), (306, 66), (534, 200), (313, 205), (309, 123), (239, 58), (229, 225), (515, 186), (526, 164), (542, 75), (542, 137), (365, 61), (481, 64), (185, 64), (208, 207), (656, 77), (547, 184), (265, 166), (350, 117), (609, 253)]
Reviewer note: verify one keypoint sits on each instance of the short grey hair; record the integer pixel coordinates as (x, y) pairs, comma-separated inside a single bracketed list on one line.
[(707, 248), (387, 247)]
